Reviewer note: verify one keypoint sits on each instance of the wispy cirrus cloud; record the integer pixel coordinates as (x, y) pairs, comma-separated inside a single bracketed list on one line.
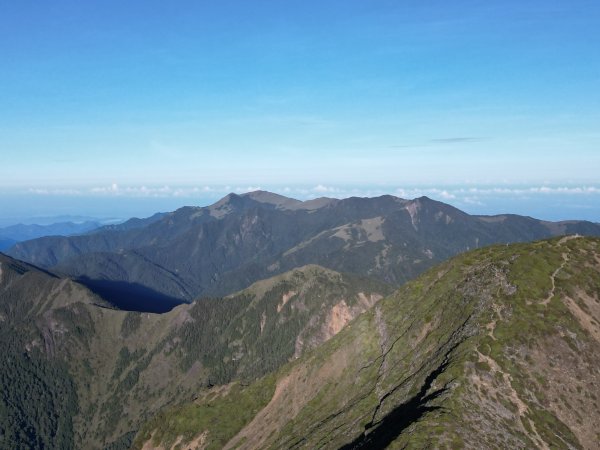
[(456, 140), (432, 143)]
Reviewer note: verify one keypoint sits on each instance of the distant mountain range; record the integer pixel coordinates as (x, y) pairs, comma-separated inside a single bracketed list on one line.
[(13, 234), (10, 235), (216, 250), (6, 221)]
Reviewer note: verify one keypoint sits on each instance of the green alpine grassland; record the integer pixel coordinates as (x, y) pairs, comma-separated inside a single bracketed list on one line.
[(496, 348)]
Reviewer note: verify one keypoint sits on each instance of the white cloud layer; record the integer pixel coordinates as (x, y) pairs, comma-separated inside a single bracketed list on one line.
[(466, 195)]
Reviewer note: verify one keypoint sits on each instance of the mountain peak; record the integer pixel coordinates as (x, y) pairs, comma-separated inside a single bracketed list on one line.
[(282, 202), (279, 201), (225, 205)]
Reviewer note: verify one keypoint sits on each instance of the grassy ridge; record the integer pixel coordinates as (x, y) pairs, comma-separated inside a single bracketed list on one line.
[(496, 348), (240, 405), (95, 374)]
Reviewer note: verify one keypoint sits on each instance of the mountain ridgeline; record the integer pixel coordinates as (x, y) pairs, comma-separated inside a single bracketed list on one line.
[(216, 250), (78, 374), (10, 235), (497, 348), (282, 326)]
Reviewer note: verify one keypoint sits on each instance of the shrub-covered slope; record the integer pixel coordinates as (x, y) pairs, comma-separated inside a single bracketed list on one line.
[(497, 348), (78, 374)]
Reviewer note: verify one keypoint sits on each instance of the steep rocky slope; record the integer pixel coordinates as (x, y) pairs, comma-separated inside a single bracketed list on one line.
[(227, 246), (496, 348), (77, 373)]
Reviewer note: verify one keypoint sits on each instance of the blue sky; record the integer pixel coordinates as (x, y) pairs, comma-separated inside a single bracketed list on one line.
[(351, 96)]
